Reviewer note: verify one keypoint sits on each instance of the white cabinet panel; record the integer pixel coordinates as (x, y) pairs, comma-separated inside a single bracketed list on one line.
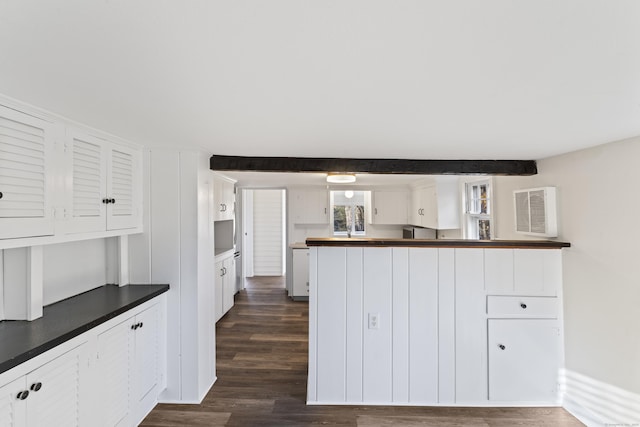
[(55, 392), (471, 329), (436, 206), (331, 319), (26, 175), (300, 273), (115, 354), (446, 326), (523, 360), (377, 364), (12, 409), (401, 325), (309, 206), (423, 318), (522, 306), (129, 368), (498, 271), (225, 286), (147, 348), (355, 324), (224, 199), (103, 186), (389, 207)]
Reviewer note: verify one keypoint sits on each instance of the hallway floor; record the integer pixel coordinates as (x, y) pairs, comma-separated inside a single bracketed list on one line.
[(262, 377)]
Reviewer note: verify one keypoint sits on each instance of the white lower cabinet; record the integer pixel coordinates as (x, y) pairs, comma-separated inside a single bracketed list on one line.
[(523, 359), (49, 395), (300, 273), (128, 363), (225, 287)]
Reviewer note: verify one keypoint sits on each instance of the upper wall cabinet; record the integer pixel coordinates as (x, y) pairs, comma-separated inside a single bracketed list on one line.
[(309, 206), (103, 184), (224, 198), (26, 175), (436, 206), (389, 207)]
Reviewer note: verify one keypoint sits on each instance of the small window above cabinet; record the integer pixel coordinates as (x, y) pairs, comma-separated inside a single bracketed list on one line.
[(27, 175), (103, 184)]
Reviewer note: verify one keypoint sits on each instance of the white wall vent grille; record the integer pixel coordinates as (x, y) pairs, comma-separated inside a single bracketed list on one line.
[(535, 210)]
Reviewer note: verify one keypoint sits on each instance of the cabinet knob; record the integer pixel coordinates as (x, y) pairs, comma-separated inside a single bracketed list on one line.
[(36, 386), (141, 324), (1, 194), (134, 327), (23, 395), (523, 305), (375, 211), (113, 200), (105, 201), (502, 347)]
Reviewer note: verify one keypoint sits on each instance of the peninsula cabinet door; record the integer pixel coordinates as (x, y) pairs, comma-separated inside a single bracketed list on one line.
[(523, 360), (26, 175)]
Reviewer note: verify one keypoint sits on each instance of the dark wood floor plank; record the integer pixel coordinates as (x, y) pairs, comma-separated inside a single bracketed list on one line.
[(262, 353)]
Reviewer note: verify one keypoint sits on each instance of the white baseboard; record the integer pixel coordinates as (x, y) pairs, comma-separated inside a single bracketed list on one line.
[(596, 403)]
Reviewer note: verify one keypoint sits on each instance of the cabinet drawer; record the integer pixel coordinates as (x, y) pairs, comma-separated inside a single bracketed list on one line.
[(523, 307)]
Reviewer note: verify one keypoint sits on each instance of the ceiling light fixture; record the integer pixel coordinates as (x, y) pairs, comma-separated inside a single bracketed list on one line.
[(341, 177), (348, 194)]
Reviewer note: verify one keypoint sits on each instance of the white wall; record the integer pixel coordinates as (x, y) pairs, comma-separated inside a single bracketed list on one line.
[(73, 268), (598, 207), (268, 233)]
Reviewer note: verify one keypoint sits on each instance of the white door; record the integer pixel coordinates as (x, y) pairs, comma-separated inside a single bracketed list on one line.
[(523, 360), (12, 408), (147, 347), (268, 232), (123, 190), (26, 175), (54, 398), (115, 352)]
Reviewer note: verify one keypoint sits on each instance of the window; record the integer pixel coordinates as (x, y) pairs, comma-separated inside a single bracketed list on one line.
[(348, 213), (477, 209)]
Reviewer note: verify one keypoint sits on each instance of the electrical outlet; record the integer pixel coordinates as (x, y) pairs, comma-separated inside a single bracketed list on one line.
[(374, 320)]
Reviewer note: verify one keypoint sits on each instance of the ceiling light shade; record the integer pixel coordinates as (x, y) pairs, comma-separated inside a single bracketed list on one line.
[(341, 177)]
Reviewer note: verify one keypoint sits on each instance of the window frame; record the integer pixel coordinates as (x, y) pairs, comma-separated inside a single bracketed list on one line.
[(470, 219), (351, 232)]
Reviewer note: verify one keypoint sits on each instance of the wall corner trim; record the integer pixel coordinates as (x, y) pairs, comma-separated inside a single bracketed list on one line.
[(596, 403)]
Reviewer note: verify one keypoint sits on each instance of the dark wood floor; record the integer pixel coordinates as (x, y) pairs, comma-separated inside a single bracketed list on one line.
[(262, 377)]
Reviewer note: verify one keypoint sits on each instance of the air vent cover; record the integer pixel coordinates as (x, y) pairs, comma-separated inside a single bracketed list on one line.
[(536, 211)]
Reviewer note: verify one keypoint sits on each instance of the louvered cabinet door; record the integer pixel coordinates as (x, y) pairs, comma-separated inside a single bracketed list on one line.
[(147, 346), (54, 391), (87, 156), (114, 366), (26, 175), (123, 188), (12, 409)]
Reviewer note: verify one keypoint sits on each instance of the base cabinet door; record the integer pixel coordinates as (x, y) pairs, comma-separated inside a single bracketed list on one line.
[(115, 352), (128, 365), (50, 395), (523, 359), (55, 392), (229, 284), (300, 273), (13, 411), (219, 285)]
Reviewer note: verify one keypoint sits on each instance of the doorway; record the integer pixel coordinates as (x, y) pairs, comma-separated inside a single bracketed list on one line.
[(263, 232)]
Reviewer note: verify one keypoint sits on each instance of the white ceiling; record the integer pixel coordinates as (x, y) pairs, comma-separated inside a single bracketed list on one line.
[(445, 79)]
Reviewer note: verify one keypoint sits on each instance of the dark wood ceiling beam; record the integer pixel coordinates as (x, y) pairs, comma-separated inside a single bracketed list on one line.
[(375, 166)]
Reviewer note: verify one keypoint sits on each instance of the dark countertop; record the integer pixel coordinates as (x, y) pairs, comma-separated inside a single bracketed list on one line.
[(438, 243), (21, 340)]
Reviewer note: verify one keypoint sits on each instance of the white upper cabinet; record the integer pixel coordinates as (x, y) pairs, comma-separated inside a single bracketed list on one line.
[(224, 198), (436, 206), (309, 206), (26, 175), (389, 207), (103, 184)]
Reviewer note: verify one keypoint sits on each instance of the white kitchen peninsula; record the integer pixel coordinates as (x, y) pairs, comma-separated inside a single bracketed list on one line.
[(435, 322)]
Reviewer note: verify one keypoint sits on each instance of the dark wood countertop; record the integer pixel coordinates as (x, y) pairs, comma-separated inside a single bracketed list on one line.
[(433, 243), (21, 340)]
